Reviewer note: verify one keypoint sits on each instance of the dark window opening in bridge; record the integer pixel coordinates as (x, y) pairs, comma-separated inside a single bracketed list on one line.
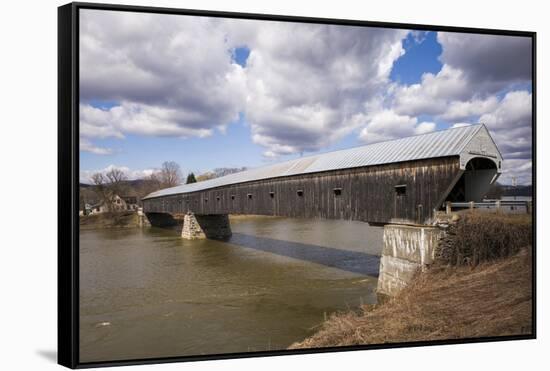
[(401, 189), (249, 196), (300, 193), (217, 198), (499, 164), (272, 194), (232, 197), (206, 200), (337, 191)]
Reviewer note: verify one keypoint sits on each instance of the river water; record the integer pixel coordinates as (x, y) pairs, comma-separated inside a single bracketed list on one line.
[(148, 293)]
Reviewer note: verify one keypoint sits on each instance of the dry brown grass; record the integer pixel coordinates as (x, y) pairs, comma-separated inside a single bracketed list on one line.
[(491, 299), (480, 236)]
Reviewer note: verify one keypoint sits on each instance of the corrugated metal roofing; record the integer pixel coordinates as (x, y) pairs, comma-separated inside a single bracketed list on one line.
[(442, 143)]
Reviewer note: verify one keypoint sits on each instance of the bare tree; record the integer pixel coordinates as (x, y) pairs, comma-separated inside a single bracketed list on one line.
[(155, 181), (101, 189), (87, 196), (108, 185), (170, 174), (116, 179), (115, 176), (149, 185), (98, 179)]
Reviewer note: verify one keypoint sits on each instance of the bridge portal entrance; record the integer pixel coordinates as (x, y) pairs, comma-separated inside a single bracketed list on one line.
[(475, 181)]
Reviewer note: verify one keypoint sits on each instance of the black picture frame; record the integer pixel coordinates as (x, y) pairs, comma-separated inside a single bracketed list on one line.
[(68, 179)]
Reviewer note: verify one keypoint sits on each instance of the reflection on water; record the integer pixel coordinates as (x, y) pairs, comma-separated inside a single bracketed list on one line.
[(148, 293), (351, 261)]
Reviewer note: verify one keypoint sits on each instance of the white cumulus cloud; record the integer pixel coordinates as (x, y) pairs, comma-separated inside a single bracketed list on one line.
[(304, 86), (307, 85), (511, 125), (387, 125), (86, 175), (169, 75)]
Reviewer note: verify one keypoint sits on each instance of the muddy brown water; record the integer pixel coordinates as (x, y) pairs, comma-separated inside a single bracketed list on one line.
[(146, 293)]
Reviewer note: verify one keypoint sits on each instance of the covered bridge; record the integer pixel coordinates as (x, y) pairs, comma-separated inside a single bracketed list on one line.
[(399, 181)]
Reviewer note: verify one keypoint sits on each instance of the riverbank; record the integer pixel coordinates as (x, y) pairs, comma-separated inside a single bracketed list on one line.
[(130, 219), (492, 299), (480, 286), (121, 219)]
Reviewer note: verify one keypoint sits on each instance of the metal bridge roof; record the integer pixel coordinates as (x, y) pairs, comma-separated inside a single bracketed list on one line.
[(442, 143)]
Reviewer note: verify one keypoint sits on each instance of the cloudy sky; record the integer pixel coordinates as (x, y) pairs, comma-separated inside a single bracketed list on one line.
[(211, 93)]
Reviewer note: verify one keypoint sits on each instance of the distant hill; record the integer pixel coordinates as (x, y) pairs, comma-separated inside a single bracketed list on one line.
[(520, 190), (498, 190)]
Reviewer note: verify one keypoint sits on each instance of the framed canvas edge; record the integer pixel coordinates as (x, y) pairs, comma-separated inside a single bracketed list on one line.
[(534, 181), (68, 170), (67, 192), (297, 19)]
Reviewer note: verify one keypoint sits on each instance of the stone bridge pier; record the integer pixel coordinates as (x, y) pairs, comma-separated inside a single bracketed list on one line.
[(194, 226), (205, 226)]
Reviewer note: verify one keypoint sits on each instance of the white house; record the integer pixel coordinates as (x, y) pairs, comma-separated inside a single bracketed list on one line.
[(117, 204)]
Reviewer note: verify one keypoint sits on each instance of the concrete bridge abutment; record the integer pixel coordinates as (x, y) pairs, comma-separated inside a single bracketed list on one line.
[(406, 250), (196, 227)]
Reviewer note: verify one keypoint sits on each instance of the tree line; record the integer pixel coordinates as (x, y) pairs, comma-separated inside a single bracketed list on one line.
[(115, 182)]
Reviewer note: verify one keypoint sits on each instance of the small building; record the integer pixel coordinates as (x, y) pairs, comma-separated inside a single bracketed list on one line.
[(118, 203), (86, 210), (131, 202)]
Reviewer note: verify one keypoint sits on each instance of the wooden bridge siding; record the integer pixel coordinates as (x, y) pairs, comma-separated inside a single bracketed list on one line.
[(368, 194)]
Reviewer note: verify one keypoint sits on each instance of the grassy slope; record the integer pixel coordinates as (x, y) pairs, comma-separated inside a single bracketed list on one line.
[(492, 299)]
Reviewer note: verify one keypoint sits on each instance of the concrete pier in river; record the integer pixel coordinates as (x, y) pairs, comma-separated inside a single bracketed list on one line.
[(406, 250)]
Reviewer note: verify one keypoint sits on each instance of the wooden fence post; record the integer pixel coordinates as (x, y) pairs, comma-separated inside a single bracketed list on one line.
[(419, 214), (448, 207)]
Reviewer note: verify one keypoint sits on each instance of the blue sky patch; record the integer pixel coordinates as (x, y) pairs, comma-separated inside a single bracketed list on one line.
[(526, 86), (240, 55), (192, 154), (102, 104), (421, 55)]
